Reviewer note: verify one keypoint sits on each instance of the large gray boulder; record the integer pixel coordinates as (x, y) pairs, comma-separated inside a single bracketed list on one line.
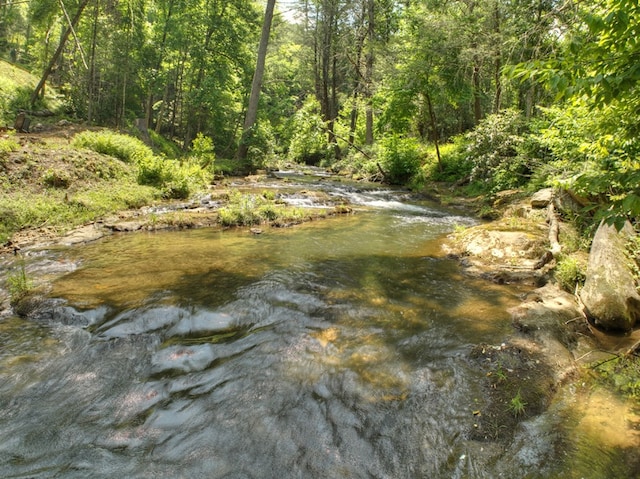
[(610, 296)]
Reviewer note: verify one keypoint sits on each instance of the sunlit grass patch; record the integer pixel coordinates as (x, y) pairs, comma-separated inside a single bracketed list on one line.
[(59, 210), (252, 209)]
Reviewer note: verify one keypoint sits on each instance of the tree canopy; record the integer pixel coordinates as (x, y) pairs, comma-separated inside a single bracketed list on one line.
[(360, 81)]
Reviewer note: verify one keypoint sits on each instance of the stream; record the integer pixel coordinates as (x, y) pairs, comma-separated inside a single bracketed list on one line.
[(334, 349)]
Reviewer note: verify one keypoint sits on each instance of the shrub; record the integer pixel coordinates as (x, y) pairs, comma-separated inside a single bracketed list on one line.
[(57, 179), (400, 158), (260, 146), (177, 180), (123, 147), (456, 165), (494, 148), (309, 141), (202, 150), (569, 272)]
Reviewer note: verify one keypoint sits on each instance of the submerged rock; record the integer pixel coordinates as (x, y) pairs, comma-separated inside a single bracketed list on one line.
[(610, 296)]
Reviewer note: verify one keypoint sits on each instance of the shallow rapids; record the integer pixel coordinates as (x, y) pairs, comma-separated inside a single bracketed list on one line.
[(335, 349)]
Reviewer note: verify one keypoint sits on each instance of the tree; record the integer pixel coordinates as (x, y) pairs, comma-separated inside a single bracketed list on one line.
[(58, 52), (256, 85)]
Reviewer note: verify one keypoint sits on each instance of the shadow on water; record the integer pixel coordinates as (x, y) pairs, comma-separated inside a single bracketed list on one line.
[(338, 349)]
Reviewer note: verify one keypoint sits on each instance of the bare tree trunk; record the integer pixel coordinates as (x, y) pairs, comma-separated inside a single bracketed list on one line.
[(58, 52), (434, 126), (92, 65), (477, 104), (256, 86), (498, 63), (369, 73)]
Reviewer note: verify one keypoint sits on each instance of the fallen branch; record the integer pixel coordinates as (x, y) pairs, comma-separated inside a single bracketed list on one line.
[(633, 350), (554, 234)]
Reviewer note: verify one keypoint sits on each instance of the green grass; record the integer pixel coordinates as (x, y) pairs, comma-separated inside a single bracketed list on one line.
[(176, 179), (61, 211), (16, 86), (251, 209)]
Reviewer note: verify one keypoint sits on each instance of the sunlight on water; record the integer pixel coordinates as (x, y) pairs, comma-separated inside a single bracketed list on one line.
[(337, 348)]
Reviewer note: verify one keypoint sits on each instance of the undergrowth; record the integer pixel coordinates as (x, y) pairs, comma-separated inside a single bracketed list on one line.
[(251, 209)]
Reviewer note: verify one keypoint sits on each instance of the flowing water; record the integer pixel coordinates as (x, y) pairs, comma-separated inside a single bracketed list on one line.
[(335, 349)]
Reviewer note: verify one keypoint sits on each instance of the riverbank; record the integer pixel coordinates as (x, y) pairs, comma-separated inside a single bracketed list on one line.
[(552, 350)]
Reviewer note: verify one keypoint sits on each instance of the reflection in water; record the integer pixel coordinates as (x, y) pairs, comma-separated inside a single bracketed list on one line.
[(335, 349)]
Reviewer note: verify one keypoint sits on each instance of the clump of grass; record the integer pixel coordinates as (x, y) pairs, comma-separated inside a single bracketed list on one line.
[(19, 284), (123, 147), (517, 405), (570, 271), (250, 209), (57, 179), (7, 145)]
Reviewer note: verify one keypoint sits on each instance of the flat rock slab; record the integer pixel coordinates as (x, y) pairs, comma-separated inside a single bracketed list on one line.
[(84, 234)]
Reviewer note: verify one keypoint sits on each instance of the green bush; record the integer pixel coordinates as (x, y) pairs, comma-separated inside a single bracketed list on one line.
[(569, 272), (594, 156), (456, 165), (242, 210), (123, 147), (261, 146), (176, 180), (495, 149), (250, 209), (309, 140), (164, 146), (202, 150), (400, 158)]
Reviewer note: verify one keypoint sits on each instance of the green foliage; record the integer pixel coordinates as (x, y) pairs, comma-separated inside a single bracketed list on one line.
[(7, 145), (242, 210), (495, 149), (456, 164), (260, 145), (202, 150), (123, 147), (622, 373), (56, 209), (57, 178), (517, 404), (176, 179), (309, 140), (250, 209), (358, 164), (164, 146), (400, 158), (589, 158), (570, 271), (19, 284)]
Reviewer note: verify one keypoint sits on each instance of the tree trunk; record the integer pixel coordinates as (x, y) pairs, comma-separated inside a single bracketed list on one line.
[(92, 65), (252, 109), (434, 127), (58, 52), (369, 72)]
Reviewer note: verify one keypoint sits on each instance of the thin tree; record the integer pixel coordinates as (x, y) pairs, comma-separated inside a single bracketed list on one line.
[(70, 28), (256, 85)]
